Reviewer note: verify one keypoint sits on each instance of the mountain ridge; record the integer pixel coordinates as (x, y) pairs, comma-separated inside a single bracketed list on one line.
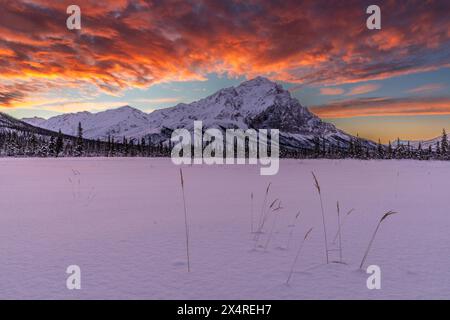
[(257, 103)]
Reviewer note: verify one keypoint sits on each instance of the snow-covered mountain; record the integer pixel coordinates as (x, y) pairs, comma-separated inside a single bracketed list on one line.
[(425, 144), (124, 121), (10, 124), (258, 103), (34, 121)]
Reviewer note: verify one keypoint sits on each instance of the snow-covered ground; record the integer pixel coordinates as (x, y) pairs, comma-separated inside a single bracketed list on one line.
[(122, 222)]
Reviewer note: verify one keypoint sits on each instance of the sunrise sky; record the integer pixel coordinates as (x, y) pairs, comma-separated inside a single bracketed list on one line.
[(388, 83)]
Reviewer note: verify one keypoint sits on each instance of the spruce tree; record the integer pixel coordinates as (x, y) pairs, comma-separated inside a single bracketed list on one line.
[(390, 150), (316, 147), (98, 147), (409, 150), (79, 148), (59, 144), (380, 150), (143, 148), (444, 143), (33, 144), (113, 149), (125, 146), (351, 149), (108, 146), (323, 148), (52, 147)]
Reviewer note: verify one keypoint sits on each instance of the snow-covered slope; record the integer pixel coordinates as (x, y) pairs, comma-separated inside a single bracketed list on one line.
[(35, 121), (124, 121), (426, 144), (9, 123), (257, 103)]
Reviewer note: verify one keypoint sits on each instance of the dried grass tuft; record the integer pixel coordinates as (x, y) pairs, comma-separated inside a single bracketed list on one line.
[(185, 221), (387, 214), (316, 182), (297, 255)]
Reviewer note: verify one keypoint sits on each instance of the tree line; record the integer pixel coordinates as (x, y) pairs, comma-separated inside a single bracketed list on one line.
[(21, 143), (356, 149)]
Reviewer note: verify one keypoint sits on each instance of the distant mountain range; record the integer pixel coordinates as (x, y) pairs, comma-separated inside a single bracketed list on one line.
[(11, 124), (258, 103), (425, 144), (118, 123)]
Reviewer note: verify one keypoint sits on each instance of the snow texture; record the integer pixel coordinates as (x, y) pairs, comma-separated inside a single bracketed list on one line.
[(122, 222)]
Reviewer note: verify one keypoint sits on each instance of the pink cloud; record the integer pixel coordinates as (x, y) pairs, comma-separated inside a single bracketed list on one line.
[(134, 44), (383, 107), (331, 91), (363, 89), (427, 88)]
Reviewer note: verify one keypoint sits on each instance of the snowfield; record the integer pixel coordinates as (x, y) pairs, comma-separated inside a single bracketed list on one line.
[(122, 222)]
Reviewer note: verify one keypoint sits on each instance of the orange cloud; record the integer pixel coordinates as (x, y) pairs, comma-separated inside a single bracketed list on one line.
[(427, 88), (331, 91), (135, 43), (363, 89), (383, 107)]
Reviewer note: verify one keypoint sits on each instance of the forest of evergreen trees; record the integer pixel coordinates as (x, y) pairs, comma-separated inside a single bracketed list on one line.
[(17, 143), (355, 149)]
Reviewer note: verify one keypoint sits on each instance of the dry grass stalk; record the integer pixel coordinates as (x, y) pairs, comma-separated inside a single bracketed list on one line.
[(297, 255), (316, 182), (274, 210), (263, 209), (292, 226), (185, 221), (251, 212), (387, 214), (342, 224), (265, 216), (271, 208), (339, 231)]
